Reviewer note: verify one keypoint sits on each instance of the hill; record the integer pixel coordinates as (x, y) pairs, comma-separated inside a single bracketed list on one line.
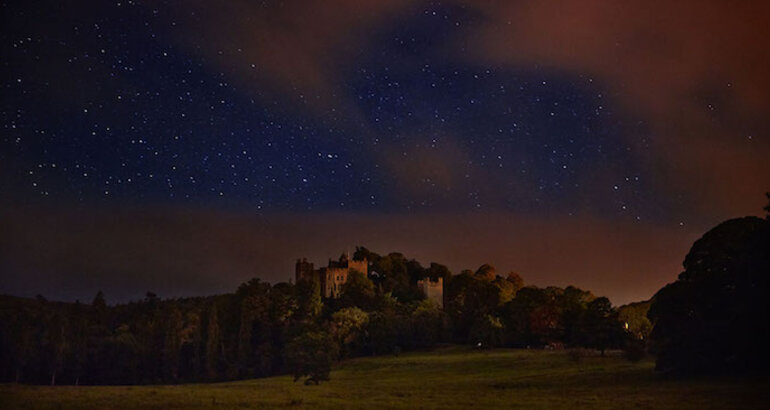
[(453, 377)]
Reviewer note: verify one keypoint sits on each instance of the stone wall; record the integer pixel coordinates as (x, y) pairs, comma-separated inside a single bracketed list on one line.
[(332, 277), (433, 290)]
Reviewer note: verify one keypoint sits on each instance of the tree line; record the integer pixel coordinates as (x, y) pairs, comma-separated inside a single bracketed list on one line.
[(712, 318), (265, 329)]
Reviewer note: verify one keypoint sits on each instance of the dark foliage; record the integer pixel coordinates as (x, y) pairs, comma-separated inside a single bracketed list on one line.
[(713, 318), (311, 355), (265, 329)]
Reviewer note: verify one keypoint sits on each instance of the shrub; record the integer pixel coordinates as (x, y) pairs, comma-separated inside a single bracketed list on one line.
[(311, 355)]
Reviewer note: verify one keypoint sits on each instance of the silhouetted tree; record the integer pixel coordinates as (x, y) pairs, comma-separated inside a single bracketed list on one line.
[(427, 324), (714, 316), (308, 299), (767, 207), (601, 327), (357, 291), (574, 303), (486, 272), (311, 355), (635, 316), (78, 345), (438, 270), (213, 344), (56, 343), (172, 344), (348, 328), (487, 331), (515, 280), (383, 331)]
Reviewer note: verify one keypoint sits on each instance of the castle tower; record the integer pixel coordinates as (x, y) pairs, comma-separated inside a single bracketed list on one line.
[(332, 277), (303, 270), (433, 290)]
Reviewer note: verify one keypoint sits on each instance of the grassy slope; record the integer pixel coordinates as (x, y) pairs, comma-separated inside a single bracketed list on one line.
[(453, 377)]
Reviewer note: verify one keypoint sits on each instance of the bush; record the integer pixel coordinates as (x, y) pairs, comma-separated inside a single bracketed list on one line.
[(311, 355)]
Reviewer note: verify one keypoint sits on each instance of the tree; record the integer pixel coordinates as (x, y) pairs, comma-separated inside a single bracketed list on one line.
[(767, 207), (308, 299), (713, 318), (172, 344), (487, 331), (530, 303), (438, 270), (634, 316), (506, 290), (19, 337), (78, 341), (427, 323), (348, 327), (602, 328), (394, 277), (362, 253), (254, 347), (486, 272), (574, 303), (121, 354), (382, 332), (311, 355), (213, 344), (56, 341), (357, 291), (516, 280), (99, 303)]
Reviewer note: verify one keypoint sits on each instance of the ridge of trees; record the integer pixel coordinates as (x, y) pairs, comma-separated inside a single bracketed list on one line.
[(265, 329)]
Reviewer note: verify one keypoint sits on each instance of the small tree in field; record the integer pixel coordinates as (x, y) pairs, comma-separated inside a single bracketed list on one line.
[(311, 355)]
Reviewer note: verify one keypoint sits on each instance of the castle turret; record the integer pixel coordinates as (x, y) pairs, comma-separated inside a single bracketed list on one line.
[(303, 270), (433, 290)]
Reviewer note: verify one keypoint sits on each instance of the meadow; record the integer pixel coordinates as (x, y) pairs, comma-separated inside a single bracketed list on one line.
[(453, 377)]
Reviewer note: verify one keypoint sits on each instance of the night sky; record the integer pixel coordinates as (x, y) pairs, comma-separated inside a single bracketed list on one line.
[(185, 147)]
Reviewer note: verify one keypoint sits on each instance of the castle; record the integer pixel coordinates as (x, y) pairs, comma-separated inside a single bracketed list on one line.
[(332, 277)]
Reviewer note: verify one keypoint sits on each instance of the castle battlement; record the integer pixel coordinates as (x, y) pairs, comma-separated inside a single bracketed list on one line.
[(331, 277)]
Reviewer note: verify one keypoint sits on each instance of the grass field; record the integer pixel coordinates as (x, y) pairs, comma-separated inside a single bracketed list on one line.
[(447, 378)]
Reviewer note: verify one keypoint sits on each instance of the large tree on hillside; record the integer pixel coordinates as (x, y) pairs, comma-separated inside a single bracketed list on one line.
[(311, 355), (714, 317), (349, 329)]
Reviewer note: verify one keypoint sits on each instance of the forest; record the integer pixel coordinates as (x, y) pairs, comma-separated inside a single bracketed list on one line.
[(711, 319), (265, 329)]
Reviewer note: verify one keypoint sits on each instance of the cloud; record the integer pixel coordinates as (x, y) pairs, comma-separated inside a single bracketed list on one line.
[(288, 49), (696, 72)]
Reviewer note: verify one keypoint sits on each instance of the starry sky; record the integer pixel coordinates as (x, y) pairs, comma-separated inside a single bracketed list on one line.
[(184, 147)]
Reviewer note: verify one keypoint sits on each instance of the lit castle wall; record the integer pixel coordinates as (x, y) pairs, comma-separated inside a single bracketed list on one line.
[(332, 277), (335, 274), (433, 290)]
